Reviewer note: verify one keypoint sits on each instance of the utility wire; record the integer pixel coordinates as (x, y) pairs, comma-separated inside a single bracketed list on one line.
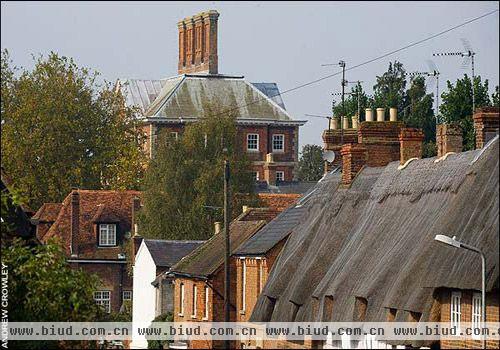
[(312, 82)]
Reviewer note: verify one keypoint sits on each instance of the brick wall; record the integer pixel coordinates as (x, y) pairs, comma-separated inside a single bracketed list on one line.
[(492, 315), (288, 158), (410, 144), (332, 141), (448, 139), (486, 124), (113, 277), (354, 158), (381, 139)]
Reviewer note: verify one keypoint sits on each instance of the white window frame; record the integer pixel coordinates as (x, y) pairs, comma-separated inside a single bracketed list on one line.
[(107, 235), (181, 300), (205, 316), (455, 310), (255, 175), (124, 293), (103, 298), (174, 135), (256, 142), (283, 177), (477, 304), (243, 284), (276, 138), (194, 301)]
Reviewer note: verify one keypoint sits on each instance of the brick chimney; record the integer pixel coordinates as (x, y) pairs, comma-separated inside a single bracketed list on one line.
[(355, 157), (411, 144), (486, 120), (75, 222), (198, 43), (381, 139), (448, 139)]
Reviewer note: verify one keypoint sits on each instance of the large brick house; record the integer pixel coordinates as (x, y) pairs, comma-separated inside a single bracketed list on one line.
[(94, 228), (364, 250), (269, 135)]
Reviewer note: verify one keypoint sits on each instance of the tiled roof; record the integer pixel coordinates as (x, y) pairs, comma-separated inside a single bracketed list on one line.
[(167, 253), (116, 205), (207, 258), (278, 201), (293, 187), (47, 213)]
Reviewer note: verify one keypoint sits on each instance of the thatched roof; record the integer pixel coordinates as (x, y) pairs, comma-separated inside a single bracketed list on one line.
[(376, 240)]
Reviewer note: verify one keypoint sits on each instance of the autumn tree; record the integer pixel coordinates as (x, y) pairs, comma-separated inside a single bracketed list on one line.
[(456, 106), (63, 129), (183, 185), (311, 163)]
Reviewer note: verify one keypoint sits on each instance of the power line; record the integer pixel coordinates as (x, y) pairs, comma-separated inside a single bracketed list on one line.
[(312, 82)]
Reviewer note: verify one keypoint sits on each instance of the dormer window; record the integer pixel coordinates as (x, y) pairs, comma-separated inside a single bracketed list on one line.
[(107, 235)]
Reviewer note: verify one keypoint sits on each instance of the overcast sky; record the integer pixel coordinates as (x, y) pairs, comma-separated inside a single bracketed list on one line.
[(281, 42)]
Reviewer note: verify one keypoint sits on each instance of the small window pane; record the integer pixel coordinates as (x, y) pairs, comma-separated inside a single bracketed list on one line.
[(280, 176), (103, 299), (278, 142), (127, 295), (107, 234), (253, 142)]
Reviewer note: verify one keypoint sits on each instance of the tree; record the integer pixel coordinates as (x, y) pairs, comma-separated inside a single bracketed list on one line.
[(351, 103), (183, 185), (420, 113), (43, 288), (495, 100), (457, 105), (311, 164), (389, 91), (61, 129)]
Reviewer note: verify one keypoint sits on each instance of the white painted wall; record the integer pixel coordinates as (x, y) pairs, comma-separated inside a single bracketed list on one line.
[(144, 297)]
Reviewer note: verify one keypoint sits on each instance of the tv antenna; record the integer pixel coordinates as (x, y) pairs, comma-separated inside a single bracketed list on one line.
[(321, 116), (433, 75), (468, 58)]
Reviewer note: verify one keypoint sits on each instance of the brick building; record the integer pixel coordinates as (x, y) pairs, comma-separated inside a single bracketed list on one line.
[(199, 277), (364, 250), (94, 228), (268, 134)]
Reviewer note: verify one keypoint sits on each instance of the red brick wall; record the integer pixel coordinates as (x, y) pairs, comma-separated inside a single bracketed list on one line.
[(289, 155), (381, 139), (410, 140), (492, 315), (114, 277), (486, 123)]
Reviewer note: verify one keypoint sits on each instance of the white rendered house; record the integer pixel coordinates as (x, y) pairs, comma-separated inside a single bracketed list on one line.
[(152, 295)]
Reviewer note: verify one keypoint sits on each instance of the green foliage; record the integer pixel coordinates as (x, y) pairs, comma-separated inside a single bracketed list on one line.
[(429, 149), (160, 344), (390, 89), (351, 103), (42, 287), (60, 129), (495, 100), (418, 112), (457, 105), (311, 164), (186, 175)]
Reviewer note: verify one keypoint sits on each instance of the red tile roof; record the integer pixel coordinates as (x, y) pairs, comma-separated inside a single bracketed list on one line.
[(47, 213), (95, 206)]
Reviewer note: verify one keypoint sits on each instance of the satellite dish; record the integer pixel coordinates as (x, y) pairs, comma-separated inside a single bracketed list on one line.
[(329, 156)]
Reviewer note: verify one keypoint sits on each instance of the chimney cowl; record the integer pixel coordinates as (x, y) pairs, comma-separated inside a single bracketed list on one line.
[(393, 114), (368, 114), (380, 114)]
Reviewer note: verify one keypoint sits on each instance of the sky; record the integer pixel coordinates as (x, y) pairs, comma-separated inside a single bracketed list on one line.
[(285, 42)]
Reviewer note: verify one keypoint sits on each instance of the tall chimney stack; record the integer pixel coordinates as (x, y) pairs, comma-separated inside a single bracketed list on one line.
[(75, 222), (198, 43)]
